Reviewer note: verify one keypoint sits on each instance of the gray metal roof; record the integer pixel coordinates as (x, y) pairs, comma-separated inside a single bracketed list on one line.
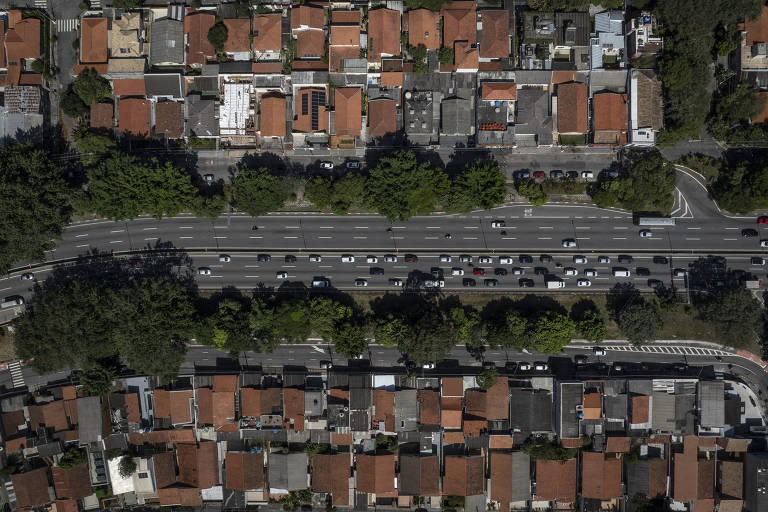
[(571, 29), (201, 117), (532, 410), (710, 401), (638, 475), (406, 410), (533, 115), (663, 411), (456, 116), (359, 421), (89, 419), (685, 414), (409, 483), (616, 406), (163, 84), (521, 476), (609, 21), (313, 403), (288, 471), (571, 395), (166, 45)]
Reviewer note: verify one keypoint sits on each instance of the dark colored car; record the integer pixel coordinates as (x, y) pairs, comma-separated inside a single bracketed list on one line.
[(545, 258), (655, 283), (264, 257), (571, 174), (289, 258), (541, 271), (749, 233), (660, 260), (377, 271), (500, 271), (411, 258), (526, 283), (556, 174), (523, 175), (625, 259), (491, 282), (524, 258), (642, 271), (468, 281), (479, 271)]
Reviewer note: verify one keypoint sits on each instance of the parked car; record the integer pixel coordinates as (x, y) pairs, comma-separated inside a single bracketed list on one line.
[(518, 271), (680, 272), (371, 259), (625, 259), (545, 258), (376, 271), (290, 258), (645, 233), (428, 366), (465, 258), (223, 258), (556, 174), (541, 271), (590, 272), (525, 259), (655, 283), (347, 258), (27, 277), (539, 174), (660, 260), (523, 175), (479, 271), (326, 165), (505, 260), (540, 366), (571, 175), (457, 271), (580, 359), (485, 259), (757, 261), (583, 283), (570, 271), (353, 164), (264, 258), (587, 175), (524, 366), (762, 220), (603, 259), (763, 243), (598, 351), (326, 365), (642, 271)]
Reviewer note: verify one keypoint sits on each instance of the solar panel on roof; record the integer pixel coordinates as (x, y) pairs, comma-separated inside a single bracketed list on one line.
[(304, 105)]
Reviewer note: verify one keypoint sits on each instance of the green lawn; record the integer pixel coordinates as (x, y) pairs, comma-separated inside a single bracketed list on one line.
[(572, 140)]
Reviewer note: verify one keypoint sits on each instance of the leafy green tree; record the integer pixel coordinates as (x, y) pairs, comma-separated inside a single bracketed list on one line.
[(232, 327), (257, 192), (218, 35), (648, 186), (508, 331), (123, 187), (319, 191), (532, 191), (445, 56), (432, 5), (640, 322), (487, 378), (419, 55), (96, 380), (400, 187), (73, 458), (481, 184), (350, 340), (291, 321), (737, 316), (591, 325), (91, 87), (126, 467), (71, 104), (348, 192), (727, 39), (540, 448), (391, 331), (734, 110), (551, 332), (263, 323), (92, 146), (35, 206), (467, 325), (208, 205)]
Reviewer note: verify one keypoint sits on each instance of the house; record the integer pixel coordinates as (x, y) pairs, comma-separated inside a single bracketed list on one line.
[(647, 477), (376, 475), (429, 407), (51, 416), (753, 50), (556, 480), (710, 403), (609, 118), (571, 41), (199, 48), (244, 471), (600, 476), (331, 473), (423, 27), (607, 41), (73, 483), (647, 107), (533, 126), (89, 419), (406, 410), (642, 36), (159, 86), (538, 39), (456, 117), (127, 36), (533, 410), (307, 17), (347, 115), (344, 44), (419, 475), (383, 417), (418, 118), (310, 110), (510, 478), (201, 116), (293, 409), (383, 34), (288, 472), (174, 407), (22, 47), (169, 119), (465, 58), (198, 464), (730, 479), (31, 488), (572, 106), (459, 23), (93, 43), (272, 118), (464, 475), (382, 117), (686, 471), (491, 404), (166, 47), (267, 36), (494, 34), (238, 44), (164, 464)]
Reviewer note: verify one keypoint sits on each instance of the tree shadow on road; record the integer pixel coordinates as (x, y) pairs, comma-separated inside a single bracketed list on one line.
[(621, 296)]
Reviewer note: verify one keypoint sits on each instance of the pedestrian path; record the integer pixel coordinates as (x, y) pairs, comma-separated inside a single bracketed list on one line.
[(672, 349), (41, 4), (69, 25), (95, 4), (17, 378)]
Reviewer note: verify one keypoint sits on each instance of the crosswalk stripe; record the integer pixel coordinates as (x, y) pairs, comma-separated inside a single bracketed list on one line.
[(17, 378), (69, 25), (41, 3)]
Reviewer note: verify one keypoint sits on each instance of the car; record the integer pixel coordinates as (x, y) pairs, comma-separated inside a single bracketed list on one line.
[(587, 175), (28, 276), (326, 365), (621, 272), (436, 283), (590, 272), (320, 282), (390, 258), (556, 174), (223, 258), (290, 258), (411, 258), (491, 283), (510, 366), (204, 271), (264, 258), (465, 258), (570, 271), (580, 359), (524, 258), (479, 271), (353, 164), (468, 281), (569, 242), (583, 283), (545, 258), (540, 366), (617, 367), (611, 174), (625, 259), (444, 258), (436, 272), (315, 258), (660, 260), (518, 271), (571, 175), (642, 271), (680, 272), (361, 282), (376, 271), (541, 271), (603, 259), (539, 174), (499, 271), (757, 261), (457, 271), (522, 175), (347, 258), (281, 275), (580, 259), (655, 283), (764, 243), (208, 178), (749, 233), (645, 233), (326, 165), (762, 220), (428, 366), (680, 367), (498, 224), (505, 260), (485, 259), (396, 282), (598, 351), (371, 259), (525, 283), (524, 366)]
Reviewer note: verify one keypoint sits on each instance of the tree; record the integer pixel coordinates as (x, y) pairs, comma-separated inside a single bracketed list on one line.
[(71, 104), (391, 331), (445, 56), (34, 204), (126, 467), (348, 192), (350, 340), (480, 184), (508, 331), (648, 186), (73, 458), (432, 5), (319, 191), (96, 380), (92, 146), (591, 325), (218, 35), (467, 325), (733, 112), (540, 448), (208, 204), (419, 55), (737, 316), (91, 87), (399, 187), (532, 191), (551, 332), (640, 322), (257, 192), (232, 326), (487, 378)]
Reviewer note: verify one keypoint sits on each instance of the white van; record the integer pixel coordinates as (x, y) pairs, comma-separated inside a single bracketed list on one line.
[(320, 283), (10, 302), (621, 272)]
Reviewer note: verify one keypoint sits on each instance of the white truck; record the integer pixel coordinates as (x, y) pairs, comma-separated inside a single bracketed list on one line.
[(753, 284), (555, 283), (10, 302)]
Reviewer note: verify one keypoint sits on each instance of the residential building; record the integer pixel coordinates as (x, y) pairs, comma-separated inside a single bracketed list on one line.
[(238, 44), (166, 47), (607, 41), (423, 27), (22, 38), (609, 118), (94, 52), (199, 49), (571, 41), (494, 34), (647, 107), (383, 34), (572, 109), (642, 36)]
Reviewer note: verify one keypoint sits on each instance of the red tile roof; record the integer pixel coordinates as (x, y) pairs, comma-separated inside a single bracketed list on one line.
[(244, 471), (308, 16), (640, 408), (196, 27), (215, 408), (239, 32), (302, 122), (341, 439), (757, 30), (464, 476), (31, 488), (169, 119), (572, 108), (225, 383), (391, 78), (763, 115), (556, 480), (348, 104), (22, 41), (376, 474), (52, 415), (72, 483), (451, 412), (345, 35), (11, 422), (501, 442), (135, 116), (2, 46), (174, 404), (267, 32), (459, 23), (610, 115), (132, 413), (592, 406), (383, 33), (382, 120), (180, 496), (93, 40), (66, 505), (686, 471), (453, 437), (617, 444), (293, 408), (165, 469), (452, 386), (255, 402), (422, 27), (331, 473), (473, 427), (267, 67), (429, 405), (494, 37), (384, 410), (129, 87), (309, 44), (345, 17), (13, 445), (601, 476), (198, 465), (501, 478), (272, 116), (465, 56), (163, 436), (338, 53), (102, 115), (499, 91)]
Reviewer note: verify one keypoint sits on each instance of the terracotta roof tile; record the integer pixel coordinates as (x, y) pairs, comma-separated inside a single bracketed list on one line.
[(309, 44), (198, 465), (307, 16), (640, 408), (331, 473), (11, 422), (731, 478), (757, 30), (494, 37), (345, 17), (384, 410), (382, 120), (592, 406), (267, 68), (705, 480), (66, 505), (685, 476), (392, 79), (134, 116), (383, 33), (165, 469), (272, 116), (341, 439), (129, 87), (338, 53), (601, 476), (501, 465), (302, 121), (450, 412), (163, 436), (556, 480), (267, 34), (559, 77), (465, 56), (345, 35), (572, 108), (459, 23), (473, 428), (169, 119), (464, 476), (501, 442), (499, 91), (52, 415), (102, 115), (93, 40), (423, 28), (429, 406), (610, 115), (293, 407), (31, 487), (255, 402), (196, 27), (239, 30), (453, 437), (22, 41), (12, 445), (215, 408), (180, 496), (617, 444), (650, 103), (348, 104), (225, 383), (452, 386), (376, 474), (72, 483), (244, 471), (174, 405), (657, 478)]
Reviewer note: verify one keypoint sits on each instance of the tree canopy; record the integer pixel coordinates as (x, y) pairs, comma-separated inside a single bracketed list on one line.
[(640, 322), (91, 86), (218, 35), (481, 184), (340, 195), (648, 185), (257, 191), (737, 316), (733, 112)]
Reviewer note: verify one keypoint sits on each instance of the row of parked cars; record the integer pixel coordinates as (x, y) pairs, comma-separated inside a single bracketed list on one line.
[(557, 174)]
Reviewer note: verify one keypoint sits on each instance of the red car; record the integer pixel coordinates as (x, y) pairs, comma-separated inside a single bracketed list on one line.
[(479, 272), (538, 174), (411, 258), (762, 220)]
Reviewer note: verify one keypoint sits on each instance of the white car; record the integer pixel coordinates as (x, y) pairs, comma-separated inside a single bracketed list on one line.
[(326, 165), (208, 177), (371, 259), (603, 259), (347, 258), (587, 175), (485, 259), (396, 282), (580, 259), (569, 242), (465, 258), (204, 271), (498, 224), (598, 351), (353, 164), (224, 258), (763, 243), (282, 275), (456, 271), (645, 233), (444, 258), (541, 367), (361, 282), (27, 277), (583, 283), (390, 258), (428, 366), (524, 367), (505, 260), (570, 271), (517, 271), (679, 272), (590, 272), (436, 283), (315, 258)]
